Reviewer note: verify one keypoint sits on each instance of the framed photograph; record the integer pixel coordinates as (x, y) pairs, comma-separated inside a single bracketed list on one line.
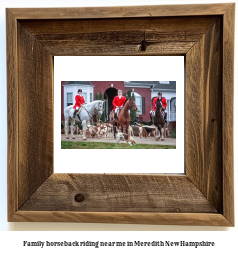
[(120, 185), (141, 134)]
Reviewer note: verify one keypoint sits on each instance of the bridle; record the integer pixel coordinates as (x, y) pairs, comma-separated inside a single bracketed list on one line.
[(160, 101), (96, 108)]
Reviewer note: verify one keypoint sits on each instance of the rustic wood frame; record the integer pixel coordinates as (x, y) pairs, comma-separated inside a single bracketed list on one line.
[(204, 34)]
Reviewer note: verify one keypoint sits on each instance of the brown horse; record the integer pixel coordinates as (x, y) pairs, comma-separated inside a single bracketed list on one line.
[(124, 116), (159, 120)]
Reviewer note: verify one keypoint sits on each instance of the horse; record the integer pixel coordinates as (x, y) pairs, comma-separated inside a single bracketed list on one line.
[(124, 116), (85, 114), (159, 121)]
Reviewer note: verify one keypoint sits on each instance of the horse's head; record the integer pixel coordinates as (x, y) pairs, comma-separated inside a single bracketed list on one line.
[(158, 104), (99, 107), (159, 119), (132, 104)]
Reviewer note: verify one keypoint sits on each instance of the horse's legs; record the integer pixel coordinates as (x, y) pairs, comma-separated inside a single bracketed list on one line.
[(157, 133), (114, 130), (120, 128), (162, 134), (66, 128), (72, 128), (84, 123)]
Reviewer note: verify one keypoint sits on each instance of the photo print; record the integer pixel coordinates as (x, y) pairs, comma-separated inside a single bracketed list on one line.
[(106, 120), (118, 114)]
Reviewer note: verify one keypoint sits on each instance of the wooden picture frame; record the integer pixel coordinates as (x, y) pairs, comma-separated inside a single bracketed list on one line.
[(204, 34)]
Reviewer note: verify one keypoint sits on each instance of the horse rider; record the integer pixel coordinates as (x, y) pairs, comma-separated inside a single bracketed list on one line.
[(79, 101), (163, 103), (118, 103)]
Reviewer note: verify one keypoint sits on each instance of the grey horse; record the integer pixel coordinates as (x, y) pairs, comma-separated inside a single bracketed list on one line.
[(87, 111)]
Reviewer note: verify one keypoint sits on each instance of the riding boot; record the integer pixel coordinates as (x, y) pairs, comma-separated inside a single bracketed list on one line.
[(75, 112), (165, 117), (152, 117)]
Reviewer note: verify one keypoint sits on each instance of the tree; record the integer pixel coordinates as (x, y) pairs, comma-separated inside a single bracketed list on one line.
[(99, 96), (130, 94)]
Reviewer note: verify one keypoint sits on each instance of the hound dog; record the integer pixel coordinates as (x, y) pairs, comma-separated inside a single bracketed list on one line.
[(130, 131), (147, 131), (166, 130), (125, 137)]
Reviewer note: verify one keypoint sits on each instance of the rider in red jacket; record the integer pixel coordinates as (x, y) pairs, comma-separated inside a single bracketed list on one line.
[(164, 104), (79, 100), (118, 102)]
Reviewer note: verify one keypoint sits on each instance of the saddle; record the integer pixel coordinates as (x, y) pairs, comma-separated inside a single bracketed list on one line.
[(117, 111), (77, 113)]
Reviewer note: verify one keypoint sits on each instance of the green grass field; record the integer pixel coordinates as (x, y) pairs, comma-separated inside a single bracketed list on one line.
[(103, 145)]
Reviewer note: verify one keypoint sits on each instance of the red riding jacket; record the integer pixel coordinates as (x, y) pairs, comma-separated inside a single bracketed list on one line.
[(79, 101), (118, 102), (164, 103)]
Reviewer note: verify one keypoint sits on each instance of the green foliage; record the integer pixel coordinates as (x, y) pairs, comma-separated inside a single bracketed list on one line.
[(104, 145), (133, 117), (103, 117), (79, 123), (99, 96), (80, 126), (130, 95), (174, 133)]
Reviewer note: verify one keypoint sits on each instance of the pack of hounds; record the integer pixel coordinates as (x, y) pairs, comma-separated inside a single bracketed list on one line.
[(144, 131), (106, 130)]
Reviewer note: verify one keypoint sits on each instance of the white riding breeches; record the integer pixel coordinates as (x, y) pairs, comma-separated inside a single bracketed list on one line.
[(117, 110), (152, 112)]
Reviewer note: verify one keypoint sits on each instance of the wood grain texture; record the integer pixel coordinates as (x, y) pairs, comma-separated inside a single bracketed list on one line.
[(189, 26), (114, 193), (227, 113), (71, 48), (35, 109), (121, 11), (12, 114), (204, 196), (192, 219), (203, 121), (119, 36)]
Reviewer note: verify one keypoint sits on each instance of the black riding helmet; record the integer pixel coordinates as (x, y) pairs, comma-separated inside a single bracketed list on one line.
[(80, 90)]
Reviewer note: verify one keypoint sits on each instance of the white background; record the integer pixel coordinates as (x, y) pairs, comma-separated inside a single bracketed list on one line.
[(117, 68), (11, 241)]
